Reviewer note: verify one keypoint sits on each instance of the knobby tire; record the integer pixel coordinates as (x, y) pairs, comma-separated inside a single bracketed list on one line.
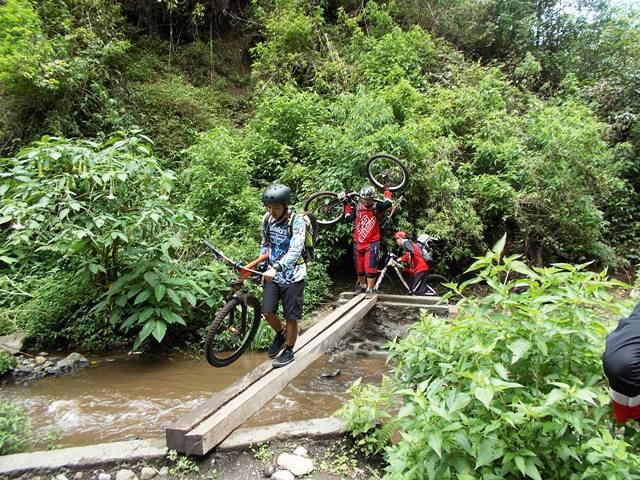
[(229, 309), (381, 157), (331, 197)]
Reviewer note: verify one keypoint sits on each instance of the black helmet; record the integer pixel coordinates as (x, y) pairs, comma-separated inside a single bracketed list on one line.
[(277, 193), (367, 192)]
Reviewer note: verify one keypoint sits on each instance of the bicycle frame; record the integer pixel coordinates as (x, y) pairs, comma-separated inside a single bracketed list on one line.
[(381, 274)]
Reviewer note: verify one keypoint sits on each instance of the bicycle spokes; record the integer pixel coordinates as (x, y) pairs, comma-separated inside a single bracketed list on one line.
[(326, 206), (384, 169)]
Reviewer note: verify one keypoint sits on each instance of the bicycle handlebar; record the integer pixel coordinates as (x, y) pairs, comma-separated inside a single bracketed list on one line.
[(221, 256)]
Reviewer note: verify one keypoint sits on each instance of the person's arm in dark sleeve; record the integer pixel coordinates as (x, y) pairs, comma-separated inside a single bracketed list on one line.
[(387, 202)]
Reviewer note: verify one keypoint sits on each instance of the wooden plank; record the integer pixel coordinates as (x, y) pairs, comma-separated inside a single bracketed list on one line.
[(217, 427), (387, 297), (176, 431)]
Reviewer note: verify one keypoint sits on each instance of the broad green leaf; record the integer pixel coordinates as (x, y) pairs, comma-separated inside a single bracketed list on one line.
[(191, 298), (586, 395), (159, 291), (144, 333), (484, 394), (499, 246), (520, 267), (159, 330), (95, 268), (151, 278), (142, 296), (554, 396), (488, 451), (435, 442), (477, 265), (531, 470), (174, 296), (7, 260), (146, 314), (130, 320), (501, 370), (521, 464), (171, 317), (462, 440), (519, 348)]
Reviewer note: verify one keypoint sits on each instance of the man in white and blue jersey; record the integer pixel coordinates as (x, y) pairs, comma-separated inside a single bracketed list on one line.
[(283, 237)]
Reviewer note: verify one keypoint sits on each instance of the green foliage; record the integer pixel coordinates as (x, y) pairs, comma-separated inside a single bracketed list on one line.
[(220, 176), (7, 362), (21, 42), (262, 452), (62, 81), (86, 202), (511, 387), (172, 112), (264, 337), (54, 310), (104, 209), (183, 465), (291, 35), (367, 415), (15, 428), (153, 295)]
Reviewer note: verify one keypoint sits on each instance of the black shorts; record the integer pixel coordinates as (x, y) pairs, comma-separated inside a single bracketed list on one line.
[(291, 295)]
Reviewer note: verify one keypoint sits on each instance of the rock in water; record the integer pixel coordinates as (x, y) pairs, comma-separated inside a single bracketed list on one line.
[(104, 476), (330, 373), (72, 361)]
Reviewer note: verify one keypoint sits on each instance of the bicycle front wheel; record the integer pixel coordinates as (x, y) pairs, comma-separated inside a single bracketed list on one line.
[(382, 163), (434, 285), (326, 207), (232, 330)]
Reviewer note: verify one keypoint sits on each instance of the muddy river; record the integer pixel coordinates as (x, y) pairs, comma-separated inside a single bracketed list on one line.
[(126, 397)]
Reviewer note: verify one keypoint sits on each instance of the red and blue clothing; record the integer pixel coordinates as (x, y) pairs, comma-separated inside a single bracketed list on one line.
[(366, 233)]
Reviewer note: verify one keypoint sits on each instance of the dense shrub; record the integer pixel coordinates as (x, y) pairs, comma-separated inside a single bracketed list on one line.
[(15, 428), (7, 362), (512, 387)]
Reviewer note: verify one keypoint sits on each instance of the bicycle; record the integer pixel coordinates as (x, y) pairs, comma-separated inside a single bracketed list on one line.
[(431, 284), (235, 325), (382, 169)]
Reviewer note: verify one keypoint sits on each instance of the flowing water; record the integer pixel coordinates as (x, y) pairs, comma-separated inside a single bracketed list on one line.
[(137, 397)]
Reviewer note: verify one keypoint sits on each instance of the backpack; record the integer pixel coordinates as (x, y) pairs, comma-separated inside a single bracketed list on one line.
[(423, 243), (310, 233)]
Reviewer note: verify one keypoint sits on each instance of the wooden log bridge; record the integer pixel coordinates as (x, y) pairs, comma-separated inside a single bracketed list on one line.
[(207, 426)]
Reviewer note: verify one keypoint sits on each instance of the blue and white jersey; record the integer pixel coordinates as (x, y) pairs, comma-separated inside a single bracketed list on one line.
[(283, 250)]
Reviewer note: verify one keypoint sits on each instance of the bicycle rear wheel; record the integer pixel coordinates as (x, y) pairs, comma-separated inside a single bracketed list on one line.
[(326, 207), (434, 285), (232, 330), (381, 162)]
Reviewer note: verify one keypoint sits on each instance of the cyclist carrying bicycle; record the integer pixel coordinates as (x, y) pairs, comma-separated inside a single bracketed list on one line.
[(417, 266), (283, 240), (366, 234)]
